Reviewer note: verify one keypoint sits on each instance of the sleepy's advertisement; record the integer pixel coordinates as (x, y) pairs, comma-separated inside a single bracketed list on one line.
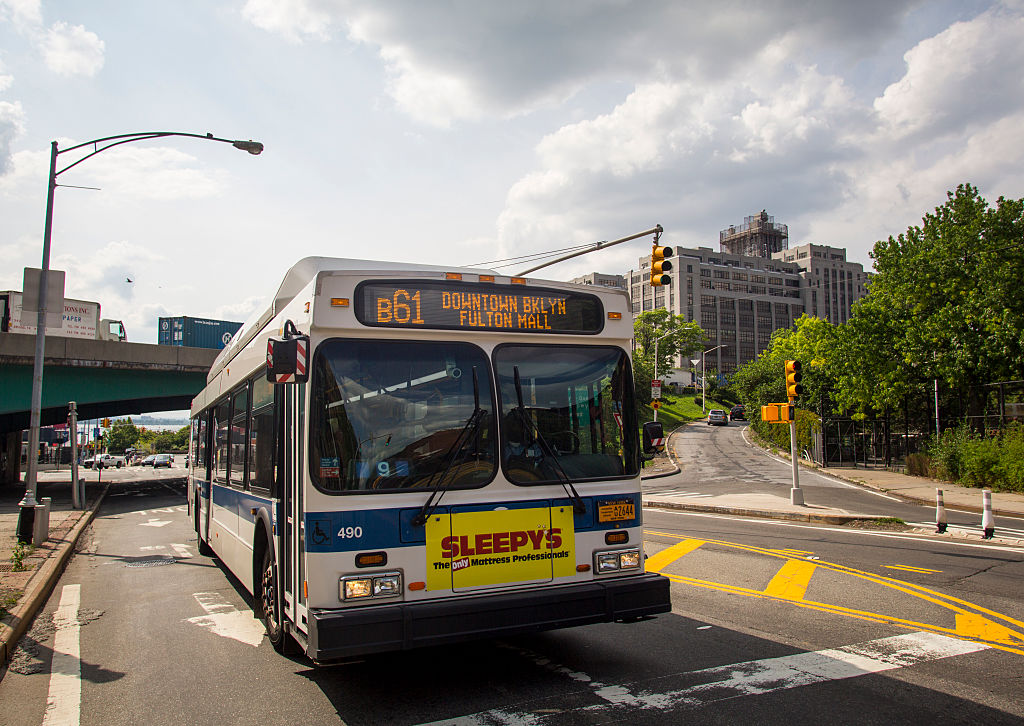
[(475, 549)]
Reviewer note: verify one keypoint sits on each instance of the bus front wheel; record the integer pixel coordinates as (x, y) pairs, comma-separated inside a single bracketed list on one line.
[(268, 602)]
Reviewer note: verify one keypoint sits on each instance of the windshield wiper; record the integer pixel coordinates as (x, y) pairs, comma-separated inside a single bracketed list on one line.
[(578, 507), (468, 430)]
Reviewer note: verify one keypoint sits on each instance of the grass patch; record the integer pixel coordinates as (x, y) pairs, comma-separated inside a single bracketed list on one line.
[(8, 599), (890, 520), (679, 409)]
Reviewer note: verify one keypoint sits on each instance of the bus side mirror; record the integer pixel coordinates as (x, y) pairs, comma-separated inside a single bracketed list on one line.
[(287, 358), (654, 437)]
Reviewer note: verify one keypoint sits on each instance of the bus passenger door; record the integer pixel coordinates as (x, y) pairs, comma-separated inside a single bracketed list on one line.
[(292, 543)]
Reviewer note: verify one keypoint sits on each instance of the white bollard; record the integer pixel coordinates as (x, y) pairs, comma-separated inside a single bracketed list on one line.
[(988, 524), (40, 525), (940, 513)]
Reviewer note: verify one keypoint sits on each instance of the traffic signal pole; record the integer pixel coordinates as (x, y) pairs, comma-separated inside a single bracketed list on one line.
[(796, 494), (794, 389)]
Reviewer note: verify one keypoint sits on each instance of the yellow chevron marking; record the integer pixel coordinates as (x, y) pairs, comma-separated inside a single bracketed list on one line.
[(791, 581)]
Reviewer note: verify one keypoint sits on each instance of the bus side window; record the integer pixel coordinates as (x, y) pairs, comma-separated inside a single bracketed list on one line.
[(221, 429), (239, 418), (262, 444)]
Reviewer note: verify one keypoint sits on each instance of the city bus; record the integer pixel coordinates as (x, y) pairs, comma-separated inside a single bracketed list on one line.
[(393, 456)]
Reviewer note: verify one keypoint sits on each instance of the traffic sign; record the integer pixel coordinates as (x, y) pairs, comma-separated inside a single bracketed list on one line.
[(656, 388), (655, 405)]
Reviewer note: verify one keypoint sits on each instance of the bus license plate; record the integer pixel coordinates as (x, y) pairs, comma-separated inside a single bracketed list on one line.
[(615, 512)]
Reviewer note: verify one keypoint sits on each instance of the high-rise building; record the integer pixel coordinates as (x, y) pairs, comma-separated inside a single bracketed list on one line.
[(739, 300), (597, 278)]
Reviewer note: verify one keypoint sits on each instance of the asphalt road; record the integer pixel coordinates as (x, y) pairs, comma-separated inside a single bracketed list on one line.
[(772, 622), (717, 460)]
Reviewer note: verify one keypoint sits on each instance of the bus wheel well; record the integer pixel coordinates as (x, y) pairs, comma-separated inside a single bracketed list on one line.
[(260, 544)]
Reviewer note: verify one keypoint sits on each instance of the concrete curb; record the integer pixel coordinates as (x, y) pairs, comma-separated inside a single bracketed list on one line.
[(42, 583), (819, 518)]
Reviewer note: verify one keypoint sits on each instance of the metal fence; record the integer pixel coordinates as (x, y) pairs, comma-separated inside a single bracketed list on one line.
[(885, 441)]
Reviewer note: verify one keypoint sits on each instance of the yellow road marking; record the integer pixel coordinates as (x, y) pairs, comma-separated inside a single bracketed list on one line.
[(661, 560), (791, 581), (908, 568), (969, 625)]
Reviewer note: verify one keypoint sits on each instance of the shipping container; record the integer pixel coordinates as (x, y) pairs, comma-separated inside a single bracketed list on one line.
[(196, 332)]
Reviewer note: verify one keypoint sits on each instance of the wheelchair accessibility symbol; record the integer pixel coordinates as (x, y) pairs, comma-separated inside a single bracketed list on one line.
[(320, 533)]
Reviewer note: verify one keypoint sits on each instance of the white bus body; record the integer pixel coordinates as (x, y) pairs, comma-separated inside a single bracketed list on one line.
[(463, 461)]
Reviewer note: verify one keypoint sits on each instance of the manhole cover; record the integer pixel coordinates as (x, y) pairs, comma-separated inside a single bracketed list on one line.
[(149, 561)]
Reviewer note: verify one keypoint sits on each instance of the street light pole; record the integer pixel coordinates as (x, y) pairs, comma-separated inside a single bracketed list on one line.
[(27, 506), (656, 363)]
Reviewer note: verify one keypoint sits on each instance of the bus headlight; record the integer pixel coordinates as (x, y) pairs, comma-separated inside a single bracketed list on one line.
[(386, 584), (616, 560)]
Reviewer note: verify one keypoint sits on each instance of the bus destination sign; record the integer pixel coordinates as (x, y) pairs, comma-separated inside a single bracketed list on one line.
[(462, 306)]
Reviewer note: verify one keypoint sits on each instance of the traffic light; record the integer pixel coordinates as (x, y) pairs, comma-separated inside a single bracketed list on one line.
[(659, 266), (793, 378), (106, 423)]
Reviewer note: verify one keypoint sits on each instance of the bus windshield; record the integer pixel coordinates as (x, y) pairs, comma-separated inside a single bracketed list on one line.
[(568, 415), (387, 415)]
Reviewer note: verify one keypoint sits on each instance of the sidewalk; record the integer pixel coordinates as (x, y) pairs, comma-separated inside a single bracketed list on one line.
[(919, 490), (24, 592)]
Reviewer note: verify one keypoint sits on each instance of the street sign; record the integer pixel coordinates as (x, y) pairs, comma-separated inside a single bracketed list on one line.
[(656, 388), (655, 405)]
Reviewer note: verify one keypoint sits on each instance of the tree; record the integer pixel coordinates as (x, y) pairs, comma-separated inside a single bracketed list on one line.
[(681, 337), (122, 435), (945, 303)]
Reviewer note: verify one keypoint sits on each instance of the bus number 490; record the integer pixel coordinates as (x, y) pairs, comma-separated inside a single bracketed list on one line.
[(351, 532)]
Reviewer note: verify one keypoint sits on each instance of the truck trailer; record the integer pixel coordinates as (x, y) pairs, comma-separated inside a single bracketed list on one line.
[(81, 319)]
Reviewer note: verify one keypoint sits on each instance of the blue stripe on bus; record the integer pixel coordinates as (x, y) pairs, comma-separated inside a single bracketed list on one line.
[(378, 529), (244, 502)]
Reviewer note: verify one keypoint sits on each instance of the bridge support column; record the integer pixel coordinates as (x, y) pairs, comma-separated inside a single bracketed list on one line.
[(10, 458)]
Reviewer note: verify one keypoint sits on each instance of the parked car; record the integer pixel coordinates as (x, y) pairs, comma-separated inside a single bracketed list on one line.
[(87, 463), (148, 461), (162, 460), (717, 417), (738, 413)]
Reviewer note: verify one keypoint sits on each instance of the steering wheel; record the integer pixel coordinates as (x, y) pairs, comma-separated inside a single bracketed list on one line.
[(574, 442)]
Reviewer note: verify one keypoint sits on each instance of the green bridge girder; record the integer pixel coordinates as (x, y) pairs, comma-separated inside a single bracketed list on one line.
[(103, 378)]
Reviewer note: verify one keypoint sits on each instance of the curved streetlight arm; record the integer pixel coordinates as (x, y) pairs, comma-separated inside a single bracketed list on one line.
[(26, 516), (253, 147)]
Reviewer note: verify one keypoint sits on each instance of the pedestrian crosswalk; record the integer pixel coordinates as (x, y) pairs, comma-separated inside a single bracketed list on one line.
[(680, 493)]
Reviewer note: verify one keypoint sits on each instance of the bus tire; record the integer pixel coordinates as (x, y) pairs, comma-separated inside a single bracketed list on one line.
[(204, 547), (269, 603)]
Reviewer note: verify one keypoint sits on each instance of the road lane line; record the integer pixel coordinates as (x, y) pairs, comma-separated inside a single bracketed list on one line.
[(660, 560), (908, 568), (64, 699), (948, 602), (750, 678), (792, 580)]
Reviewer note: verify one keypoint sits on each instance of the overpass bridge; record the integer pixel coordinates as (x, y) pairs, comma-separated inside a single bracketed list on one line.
[(105, 378)]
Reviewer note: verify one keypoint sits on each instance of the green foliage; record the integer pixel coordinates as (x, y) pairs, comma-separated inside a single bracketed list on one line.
[(962, 456), (944, 304), (123, 434), (776, 434), (18, 555), (671, 336), (162, 441)]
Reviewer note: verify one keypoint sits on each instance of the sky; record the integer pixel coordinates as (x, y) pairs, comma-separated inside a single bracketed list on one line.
[(459, 132)]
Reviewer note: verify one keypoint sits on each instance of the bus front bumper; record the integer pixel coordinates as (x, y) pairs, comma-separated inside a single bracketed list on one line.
[(337, 634)]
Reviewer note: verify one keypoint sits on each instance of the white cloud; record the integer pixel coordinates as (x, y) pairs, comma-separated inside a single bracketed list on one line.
[(12, 124), (967, 75), (21, 12), (71, 50)]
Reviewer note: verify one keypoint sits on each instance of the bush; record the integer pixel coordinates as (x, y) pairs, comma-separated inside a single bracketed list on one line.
[(979, 461), (1010, 469), (918, 465), (947, 451)]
